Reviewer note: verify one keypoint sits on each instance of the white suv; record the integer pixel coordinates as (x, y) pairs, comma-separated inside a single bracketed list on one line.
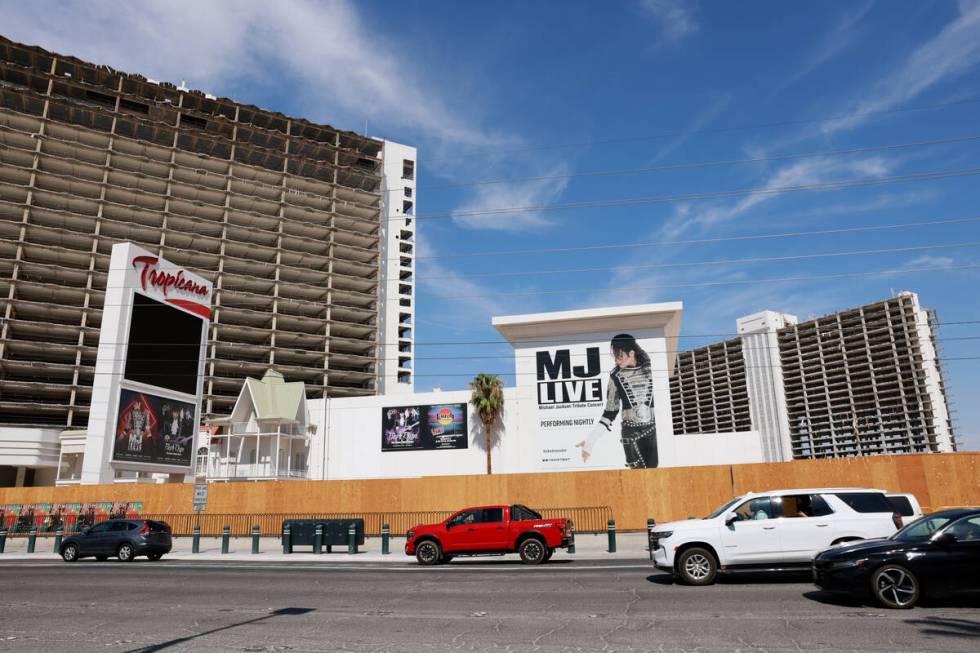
[(781, 529)]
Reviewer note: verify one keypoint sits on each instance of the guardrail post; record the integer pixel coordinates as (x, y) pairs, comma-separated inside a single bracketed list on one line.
[(571, 538), (58, 534), (651, 522), (287, 540), (31, 540), (256, 532), (3, 539), (611, 532), (318, 539), (385, 537), (225, 536), (352, 539)]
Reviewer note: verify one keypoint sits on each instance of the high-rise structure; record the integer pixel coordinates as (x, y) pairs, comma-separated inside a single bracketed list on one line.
[(867, 380), (294, 222)]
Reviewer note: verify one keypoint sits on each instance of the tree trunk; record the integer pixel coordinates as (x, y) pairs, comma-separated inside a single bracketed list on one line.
[(486, 430)]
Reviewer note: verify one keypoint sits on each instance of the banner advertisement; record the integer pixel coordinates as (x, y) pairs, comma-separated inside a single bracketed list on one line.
[(152, 429), (423, 428), (594, 403), (70, 517)]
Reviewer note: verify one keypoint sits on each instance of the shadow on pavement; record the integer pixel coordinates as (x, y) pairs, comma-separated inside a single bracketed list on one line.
[(834, 598), (947, 627), (484, 562), (281, 612)]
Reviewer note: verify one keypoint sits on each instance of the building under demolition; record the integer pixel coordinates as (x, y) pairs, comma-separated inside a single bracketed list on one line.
[(307, 241), (862, 381)]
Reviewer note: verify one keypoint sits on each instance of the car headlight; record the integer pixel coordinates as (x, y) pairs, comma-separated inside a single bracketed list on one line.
[(845, 564), (662, 535)]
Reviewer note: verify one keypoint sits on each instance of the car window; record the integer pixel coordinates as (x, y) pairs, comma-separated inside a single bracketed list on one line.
[(100, 528), (865, 502), (725, 508), (921, 529), (756, 508), (119, 526), (522, 513), (902, 506), (466, 517), (492, 515), (966, 530)]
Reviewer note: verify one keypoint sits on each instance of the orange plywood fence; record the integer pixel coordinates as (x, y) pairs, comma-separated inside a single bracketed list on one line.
[(632, 495)]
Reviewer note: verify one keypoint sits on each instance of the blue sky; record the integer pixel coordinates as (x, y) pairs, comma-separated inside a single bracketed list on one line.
[(536, 96)]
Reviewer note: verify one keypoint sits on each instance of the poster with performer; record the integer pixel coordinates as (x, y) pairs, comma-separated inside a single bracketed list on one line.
[(153, 429), (423, 428), (595, 403)]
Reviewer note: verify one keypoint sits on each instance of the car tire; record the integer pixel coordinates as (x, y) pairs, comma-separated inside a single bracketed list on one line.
[(153, 557), (69, 552), (125, 552), (697, 566), (428, 553), (532, 551), (894, 586)]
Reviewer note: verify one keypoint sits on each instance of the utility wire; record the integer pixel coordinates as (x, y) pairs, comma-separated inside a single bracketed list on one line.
[(693, 165), (714, 130), (664, 199)]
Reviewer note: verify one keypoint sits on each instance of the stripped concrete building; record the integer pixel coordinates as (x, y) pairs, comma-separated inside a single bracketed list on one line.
[(286, 217), (863, 381)]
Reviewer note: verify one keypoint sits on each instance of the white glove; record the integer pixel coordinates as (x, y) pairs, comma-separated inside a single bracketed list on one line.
[(600, 429)]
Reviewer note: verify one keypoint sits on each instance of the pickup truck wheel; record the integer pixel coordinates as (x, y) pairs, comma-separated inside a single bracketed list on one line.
[(428, 553), (697, 566), (532, 551)]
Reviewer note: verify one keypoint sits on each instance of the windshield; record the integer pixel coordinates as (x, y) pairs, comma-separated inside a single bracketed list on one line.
[(724, 508), (921, 530)]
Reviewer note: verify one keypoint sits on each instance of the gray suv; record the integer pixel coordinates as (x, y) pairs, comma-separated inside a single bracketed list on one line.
[(123, 538)]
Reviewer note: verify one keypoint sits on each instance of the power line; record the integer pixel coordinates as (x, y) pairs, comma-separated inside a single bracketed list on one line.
[(730, 261), (706, 164), (726, 282), (700, 241), (713, 130), (665, 199)]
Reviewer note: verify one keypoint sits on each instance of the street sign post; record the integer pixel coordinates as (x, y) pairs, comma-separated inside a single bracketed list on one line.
[(200, 497)]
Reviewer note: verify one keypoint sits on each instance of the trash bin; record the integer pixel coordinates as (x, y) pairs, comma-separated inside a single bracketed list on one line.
[(303, 531)]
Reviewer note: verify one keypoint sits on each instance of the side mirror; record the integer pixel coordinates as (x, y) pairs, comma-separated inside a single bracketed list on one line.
[(944, 539), (731, 518)]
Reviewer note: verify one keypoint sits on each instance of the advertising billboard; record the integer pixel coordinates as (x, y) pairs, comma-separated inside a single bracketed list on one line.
[(423, 428), (594, 402), (155, 430)]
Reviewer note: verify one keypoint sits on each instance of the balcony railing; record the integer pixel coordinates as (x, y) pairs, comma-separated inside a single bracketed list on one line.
[(218, 470), (250, 428)]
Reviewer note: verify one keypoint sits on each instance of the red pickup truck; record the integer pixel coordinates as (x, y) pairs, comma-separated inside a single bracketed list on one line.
[(489, 530)]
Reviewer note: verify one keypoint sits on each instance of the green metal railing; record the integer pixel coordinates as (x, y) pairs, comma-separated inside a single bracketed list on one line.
[(590, 519)]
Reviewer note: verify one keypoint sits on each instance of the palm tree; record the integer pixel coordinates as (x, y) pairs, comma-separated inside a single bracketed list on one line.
[(488, 399)]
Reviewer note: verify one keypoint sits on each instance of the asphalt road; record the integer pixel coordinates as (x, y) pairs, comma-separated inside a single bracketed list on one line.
[(481, 605)]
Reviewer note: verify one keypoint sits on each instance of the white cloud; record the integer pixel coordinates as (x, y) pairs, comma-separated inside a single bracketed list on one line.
[(944, 262), (477, 212), (832, 44), (802, 173), (341, 69), (951, 52), (703, 118), (676, 19)]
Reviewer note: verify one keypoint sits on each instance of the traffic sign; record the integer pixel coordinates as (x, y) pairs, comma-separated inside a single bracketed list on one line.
[(200, 497)]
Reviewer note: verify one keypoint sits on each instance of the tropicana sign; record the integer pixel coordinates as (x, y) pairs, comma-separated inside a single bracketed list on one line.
[(163, 281)]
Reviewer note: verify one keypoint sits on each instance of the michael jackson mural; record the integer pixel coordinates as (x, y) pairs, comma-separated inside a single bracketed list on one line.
[(630, 389)]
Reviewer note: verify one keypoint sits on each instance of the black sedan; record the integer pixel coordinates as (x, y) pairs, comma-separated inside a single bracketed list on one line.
[(122, 538), (936, 555)]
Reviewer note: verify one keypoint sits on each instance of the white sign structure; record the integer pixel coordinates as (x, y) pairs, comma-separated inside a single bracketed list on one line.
[(588, 408), (146, 396)]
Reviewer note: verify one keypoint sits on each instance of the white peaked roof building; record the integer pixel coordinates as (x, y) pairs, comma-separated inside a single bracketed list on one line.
[(267, 435)]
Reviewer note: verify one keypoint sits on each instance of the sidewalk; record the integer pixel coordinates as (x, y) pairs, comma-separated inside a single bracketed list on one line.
[(629, 546)]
